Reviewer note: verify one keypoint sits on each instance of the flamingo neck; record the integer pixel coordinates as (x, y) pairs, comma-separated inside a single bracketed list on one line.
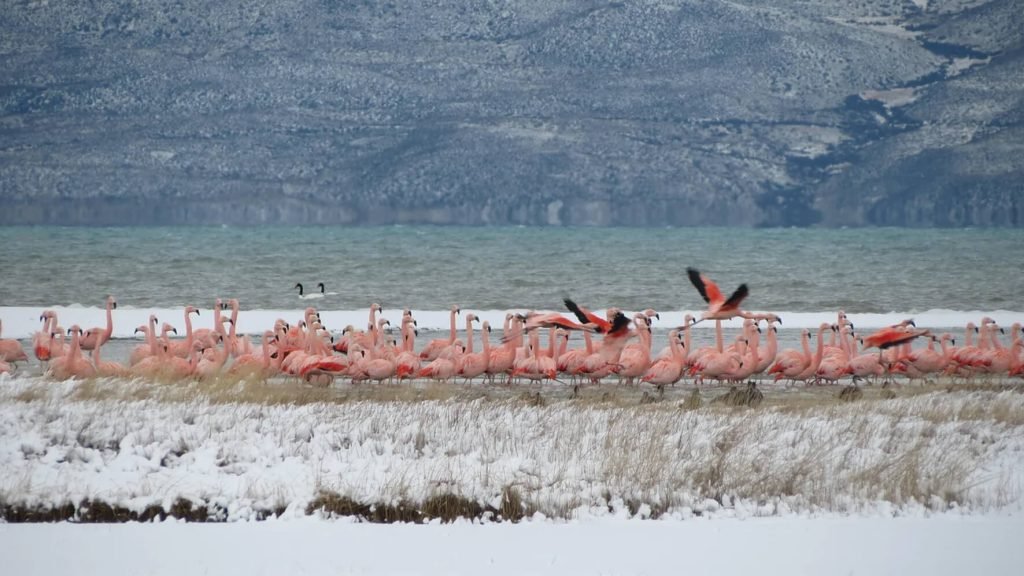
[(469, 334)]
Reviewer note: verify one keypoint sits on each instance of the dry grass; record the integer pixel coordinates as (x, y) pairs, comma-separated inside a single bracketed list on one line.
[(455, 450)]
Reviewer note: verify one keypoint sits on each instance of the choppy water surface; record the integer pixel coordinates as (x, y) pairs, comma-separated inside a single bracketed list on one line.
[(430, 268)]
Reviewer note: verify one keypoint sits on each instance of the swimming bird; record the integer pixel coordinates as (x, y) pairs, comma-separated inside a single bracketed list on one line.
[(312, 295)]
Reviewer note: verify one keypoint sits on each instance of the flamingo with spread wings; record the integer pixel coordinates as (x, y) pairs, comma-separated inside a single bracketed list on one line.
[(719, 307)]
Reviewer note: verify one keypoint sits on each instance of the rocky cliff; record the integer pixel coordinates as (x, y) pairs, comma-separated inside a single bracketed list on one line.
[(566, 112)]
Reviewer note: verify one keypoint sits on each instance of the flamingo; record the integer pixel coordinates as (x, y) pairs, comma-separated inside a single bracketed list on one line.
[(767, 356), (207, 335), (209, 366), (503, 357), (72, 364), (251, 364), (719, 308), (11, 350), (670, 369), (42, 340), (472, 364), (433, 348), (150, 347), (96, 336), (535, 366), (407, 361), (184, 349), (636, 358), (106, 368)]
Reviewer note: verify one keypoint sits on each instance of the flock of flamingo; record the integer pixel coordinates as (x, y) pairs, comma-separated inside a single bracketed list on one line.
[(614, 346)]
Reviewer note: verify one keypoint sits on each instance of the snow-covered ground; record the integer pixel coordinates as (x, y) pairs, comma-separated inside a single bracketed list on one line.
[(245, 449), (927, 483), (871, 546)]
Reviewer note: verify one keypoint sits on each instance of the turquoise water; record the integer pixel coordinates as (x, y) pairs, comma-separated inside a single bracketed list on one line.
[(431, 268)]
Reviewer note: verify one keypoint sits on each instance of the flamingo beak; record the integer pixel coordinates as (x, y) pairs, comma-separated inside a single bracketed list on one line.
[(113, 305), (175, 330)]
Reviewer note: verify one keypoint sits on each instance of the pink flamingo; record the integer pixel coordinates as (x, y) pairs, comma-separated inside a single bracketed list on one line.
[(184, 349), (811, 370), (96, 336), (408, 361), (43, 340), (251, 364), (605, 361), (213, 360), (670, 369), (836, 360), (10, 349), (475, 364), (107, 368), (440, 368), (434, 348), (766, 357), (150, 347), (790, 362), (636, 357), (207, 335), (503, 357), (719, 307), (72, 364), (570, 361), (535, 366)]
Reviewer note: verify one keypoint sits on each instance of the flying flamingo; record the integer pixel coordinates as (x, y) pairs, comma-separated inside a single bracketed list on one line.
[(96, 336), (719, 308), (11, 350)]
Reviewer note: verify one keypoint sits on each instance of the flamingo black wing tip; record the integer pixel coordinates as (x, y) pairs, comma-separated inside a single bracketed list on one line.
[(698, 283), (575, 309)]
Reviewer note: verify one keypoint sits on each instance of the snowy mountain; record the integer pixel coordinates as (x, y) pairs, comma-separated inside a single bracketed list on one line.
[(671, 112)]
